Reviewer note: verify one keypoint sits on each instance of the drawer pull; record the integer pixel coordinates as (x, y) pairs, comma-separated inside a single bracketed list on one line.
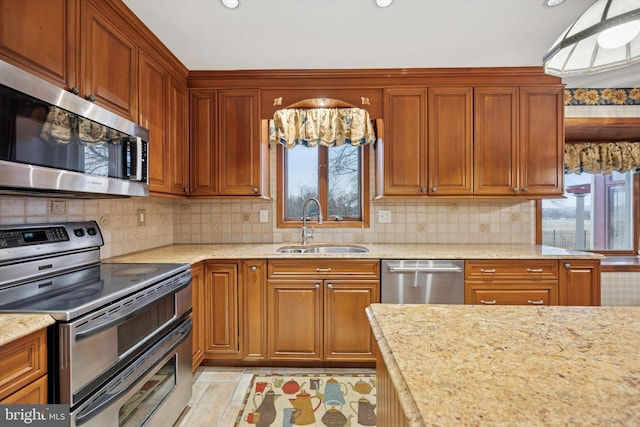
[(492, 302), (317, 286), (567, 266), (534, 270), (492, 270), (323, 270), (541, 302)]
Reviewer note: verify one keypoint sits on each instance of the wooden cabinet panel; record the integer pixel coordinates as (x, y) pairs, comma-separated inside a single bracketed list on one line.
[(529, 269), (254, 309), (450, 142), (239, 154), (221, 310), (109, 59), (404, 162), (177, 135), (34, 393), (495, 140), (198, 294), (294, 320), (347, 334), (41, 37), (580, 282), (22, 361), (323, 268), (544, 293), (202, 136), (153, 104), (541, 141)]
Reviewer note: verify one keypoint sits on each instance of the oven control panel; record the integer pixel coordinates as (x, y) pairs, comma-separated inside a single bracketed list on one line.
[(64, 235)]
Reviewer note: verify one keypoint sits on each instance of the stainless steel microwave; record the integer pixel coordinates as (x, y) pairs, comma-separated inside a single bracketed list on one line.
[(53, 142)]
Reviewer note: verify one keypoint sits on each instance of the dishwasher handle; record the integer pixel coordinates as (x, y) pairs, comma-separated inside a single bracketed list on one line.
[(446, 269)]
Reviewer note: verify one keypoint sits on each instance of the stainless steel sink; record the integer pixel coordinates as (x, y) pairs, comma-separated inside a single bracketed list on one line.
[(322, 249)]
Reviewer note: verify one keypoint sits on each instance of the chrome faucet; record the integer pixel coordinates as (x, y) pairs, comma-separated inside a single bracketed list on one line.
[(306, 236)]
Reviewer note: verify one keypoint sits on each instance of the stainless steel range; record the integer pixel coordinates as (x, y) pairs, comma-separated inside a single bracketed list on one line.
[(120, 351)]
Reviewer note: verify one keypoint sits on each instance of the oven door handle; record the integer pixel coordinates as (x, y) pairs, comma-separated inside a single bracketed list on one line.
[(125, 381), (133, 309)]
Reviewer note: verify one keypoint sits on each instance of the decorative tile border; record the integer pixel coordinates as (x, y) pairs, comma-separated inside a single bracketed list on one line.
[(588, 96)]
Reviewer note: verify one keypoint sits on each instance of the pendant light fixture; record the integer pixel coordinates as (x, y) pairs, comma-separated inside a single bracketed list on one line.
[(605, 37), (231, 4)]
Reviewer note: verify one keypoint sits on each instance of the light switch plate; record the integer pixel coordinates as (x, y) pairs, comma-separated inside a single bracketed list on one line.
[(384, 216), (264, 215)]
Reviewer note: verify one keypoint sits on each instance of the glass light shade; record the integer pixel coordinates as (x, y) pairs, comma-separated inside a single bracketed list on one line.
[(231, 4), (383, 3), (577, 51), (619, 35)]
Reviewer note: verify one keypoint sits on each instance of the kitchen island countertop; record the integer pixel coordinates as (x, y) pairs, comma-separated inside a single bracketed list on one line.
[(194, 253), (512, 365)]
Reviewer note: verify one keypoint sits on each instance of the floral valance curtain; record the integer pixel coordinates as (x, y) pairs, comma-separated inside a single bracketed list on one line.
[(325, 126), (601, 157)]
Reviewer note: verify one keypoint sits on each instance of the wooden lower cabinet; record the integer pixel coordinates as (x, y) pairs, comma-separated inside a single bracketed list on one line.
[(23, 370), (532, 282), (253, 295), (320, 314), (221, 322), (197, 291)]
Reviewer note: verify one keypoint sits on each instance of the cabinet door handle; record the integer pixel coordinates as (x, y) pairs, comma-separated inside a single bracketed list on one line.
[(434, 189), (323, 270), (492, 270), (254, 268), (91, 98), (534, 270), (317, 286), (492, 302), (255, 190), (567, 266), (515, 189), (75, 90), (541, 302), (330, 286)]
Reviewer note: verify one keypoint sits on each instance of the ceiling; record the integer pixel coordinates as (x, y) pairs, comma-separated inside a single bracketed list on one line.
[(335, 34)]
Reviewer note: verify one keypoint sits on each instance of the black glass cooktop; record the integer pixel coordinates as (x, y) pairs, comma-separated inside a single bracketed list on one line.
[(70, 295)]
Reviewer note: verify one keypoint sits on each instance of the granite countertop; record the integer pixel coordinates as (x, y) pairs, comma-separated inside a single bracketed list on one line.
[(512, 365), (195, 253), (15, 326)]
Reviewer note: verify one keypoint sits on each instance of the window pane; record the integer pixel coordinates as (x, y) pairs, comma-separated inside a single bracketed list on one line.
[(301, 170), (597, 213), (344, 181)]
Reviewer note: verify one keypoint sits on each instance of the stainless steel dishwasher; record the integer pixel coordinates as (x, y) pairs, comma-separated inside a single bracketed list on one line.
[(422, 281)]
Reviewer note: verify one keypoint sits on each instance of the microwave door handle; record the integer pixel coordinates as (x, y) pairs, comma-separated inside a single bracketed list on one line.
[(139, 157), (128, 378)]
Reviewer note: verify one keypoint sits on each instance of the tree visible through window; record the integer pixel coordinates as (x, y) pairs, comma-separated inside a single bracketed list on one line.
[(596, 214), (333, 175)]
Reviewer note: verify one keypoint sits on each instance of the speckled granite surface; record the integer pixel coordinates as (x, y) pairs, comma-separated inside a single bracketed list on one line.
[(196, 253), (14, 326), (512, 365)]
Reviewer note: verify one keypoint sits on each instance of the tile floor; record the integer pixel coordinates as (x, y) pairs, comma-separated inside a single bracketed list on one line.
[(218, 393)]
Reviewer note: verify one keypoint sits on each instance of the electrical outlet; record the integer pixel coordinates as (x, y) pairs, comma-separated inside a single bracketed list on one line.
[(141, 214), (264, 215), (384, 216)]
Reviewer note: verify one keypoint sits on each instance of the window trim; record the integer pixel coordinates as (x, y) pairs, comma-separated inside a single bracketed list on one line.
[(328, 223), (636, 225)]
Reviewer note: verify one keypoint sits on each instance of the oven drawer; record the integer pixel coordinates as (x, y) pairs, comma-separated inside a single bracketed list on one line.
[(151, 391)]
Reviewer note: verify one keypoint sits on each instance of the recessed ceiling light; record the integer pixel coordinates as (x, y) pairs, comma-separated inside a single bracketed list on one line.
[(231, 4), (383, 3), (551, 3)]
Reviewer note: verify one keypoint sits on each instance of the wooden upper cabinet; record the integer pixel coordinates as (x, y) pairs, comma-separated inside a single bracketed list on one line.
[(229, 157), (402, 154), (178, 137), (495, 141), (203, 118), (40, 36), (153, 114), (239, 152), (450, 140), (541, 137), (109, 59)]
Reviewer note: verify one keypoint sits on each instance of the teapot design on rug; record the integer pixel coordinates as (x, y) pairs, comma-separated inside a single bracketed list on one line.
[(266, 412), (363, 387), (366, 411), (333, 393)]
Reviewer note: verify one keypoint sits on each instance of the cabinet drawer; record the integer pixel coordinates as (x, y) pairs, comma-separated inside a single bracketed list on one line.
[(22, 361), (541, 295), (34, 393), (323, 268), (511, 269)]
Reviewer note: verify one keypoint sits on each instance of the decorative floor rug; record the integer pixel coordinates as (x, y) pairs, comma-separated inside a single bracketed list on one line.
[(332, 400)]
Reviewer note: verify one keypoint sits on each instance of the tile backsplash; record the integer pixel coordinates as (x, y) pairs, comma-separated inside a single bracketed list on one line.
[(238, 221)]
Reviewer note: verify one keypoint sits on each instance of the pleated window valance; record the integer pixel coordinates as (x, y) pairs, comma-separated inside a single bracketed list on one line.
[(601, 157), (321, 126)]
